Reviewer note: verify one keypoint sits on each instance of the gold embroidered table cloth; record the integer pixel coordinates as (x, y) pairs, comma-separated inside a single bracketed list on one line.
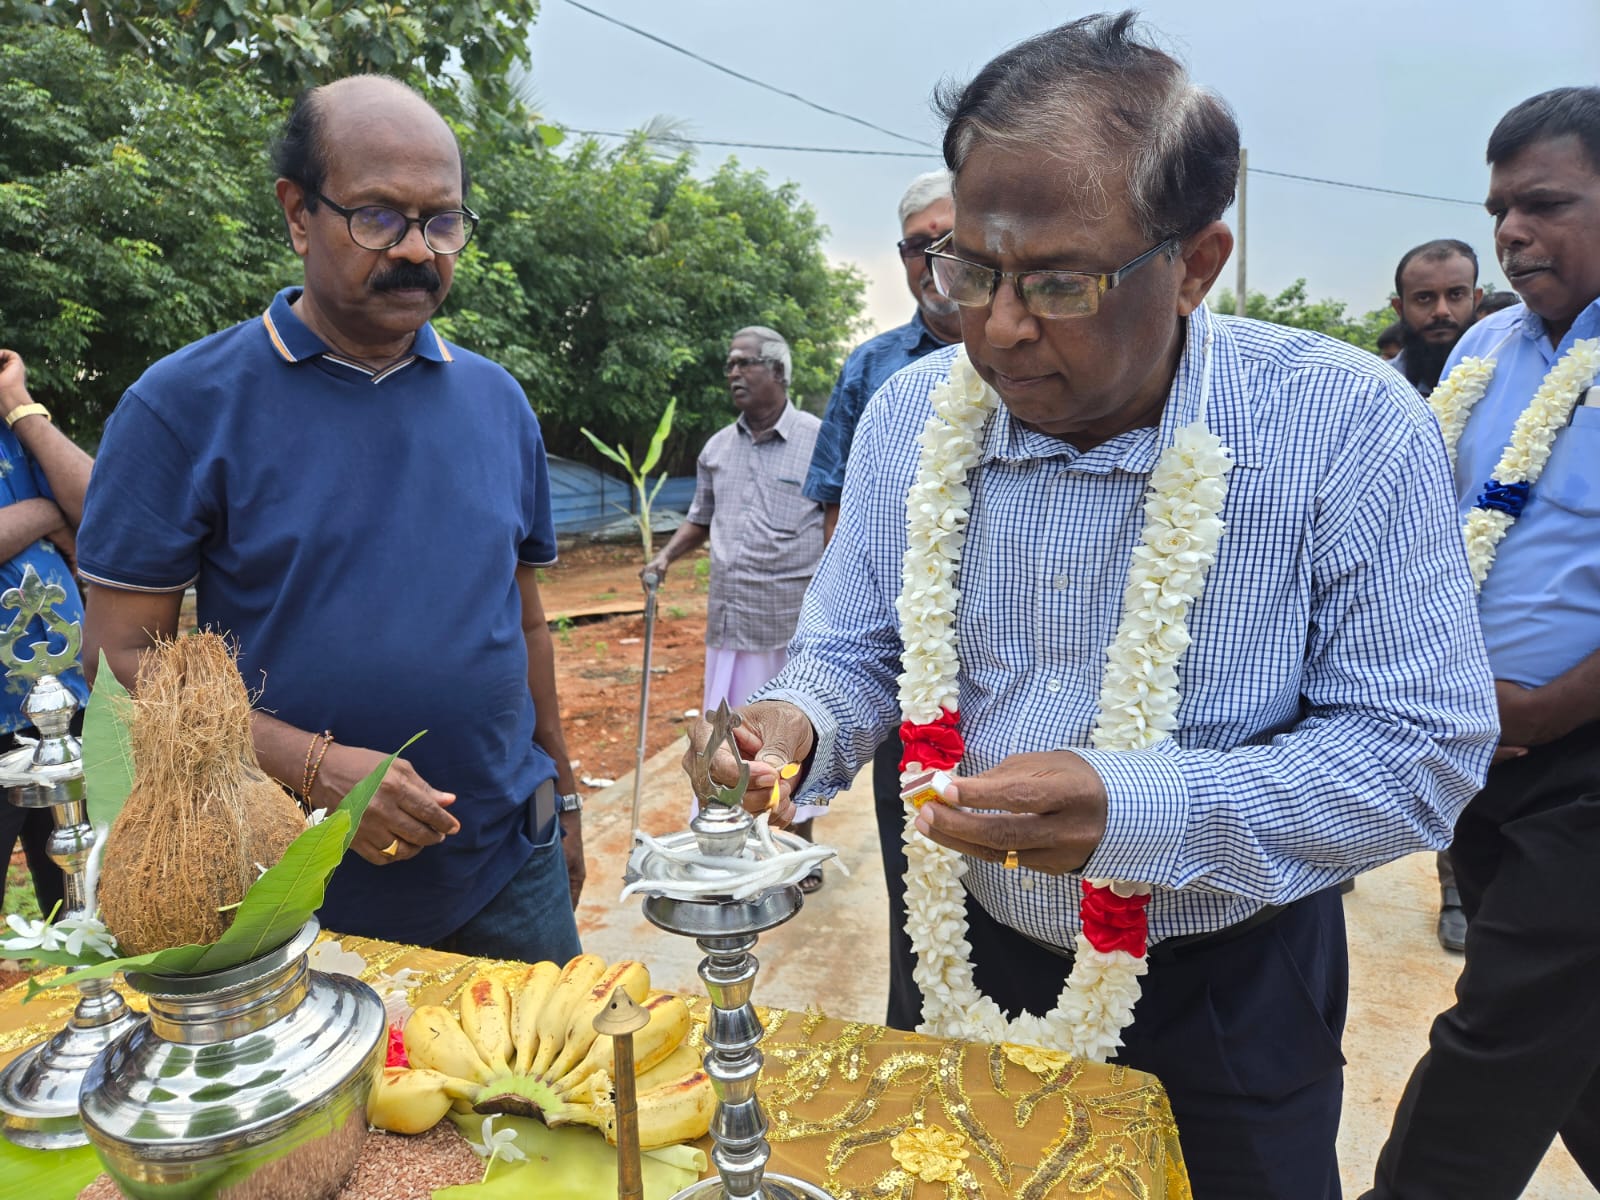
[(872, 1113)]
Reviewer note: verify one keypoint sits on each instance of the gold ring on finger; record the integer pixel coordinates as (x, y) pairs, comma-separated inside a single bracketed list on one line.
[(392, 848), (1011, 863)]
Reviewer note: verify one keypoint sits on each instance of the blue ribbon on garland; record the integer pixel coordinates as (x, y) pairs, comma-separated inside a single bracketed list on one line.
[(1509, 498)]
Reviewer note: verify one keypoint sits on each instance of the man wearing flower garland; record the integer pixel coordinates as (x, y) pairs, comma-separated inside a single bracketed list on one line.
[(1099, 452), (1517, 1059)]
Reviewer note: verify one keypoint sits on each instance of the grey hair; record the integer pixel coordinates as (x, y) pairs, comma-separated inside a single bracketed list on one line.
[(1118, 104), (925, 190), (772, 346)]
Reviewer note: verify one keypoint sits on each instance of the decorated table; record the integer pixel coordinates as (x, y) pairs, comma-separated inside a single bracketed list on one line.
[(1000, 1120)]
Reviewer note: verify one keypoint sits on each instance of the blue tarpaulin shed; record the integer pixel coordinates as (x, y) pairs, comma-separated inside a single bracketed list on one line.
[(584, 498)]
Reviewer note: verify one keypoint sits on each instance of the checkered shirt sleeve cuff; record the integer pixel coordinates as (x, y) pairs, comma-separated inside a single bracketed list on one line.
[(1147, 810)]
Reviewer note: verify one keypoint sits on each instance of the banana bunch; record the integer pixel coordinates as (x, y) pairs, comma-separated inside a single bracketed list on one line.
[(527, 1046)]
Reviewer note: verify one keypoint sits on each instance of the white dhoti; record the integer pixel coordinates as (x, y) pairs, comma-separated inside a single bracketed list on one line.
[(735, 676)]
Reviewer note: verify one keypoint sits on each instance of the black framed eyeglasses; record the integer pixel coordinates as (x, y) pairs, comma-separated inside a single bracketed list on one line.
[(915, 246), (379, 227), (1051, 295)]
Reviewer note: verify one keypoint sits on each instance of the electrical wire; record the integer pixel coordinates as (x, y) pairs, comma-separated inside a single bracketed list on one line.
[(760, 83), (692, 141), (833, 112), (1363, 187), (672, 138)]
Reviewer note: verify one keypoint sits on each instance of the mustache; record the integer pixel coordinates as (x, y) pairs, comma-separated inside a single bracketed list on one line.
[(1521, 266), (406, 276), (1442, 323)]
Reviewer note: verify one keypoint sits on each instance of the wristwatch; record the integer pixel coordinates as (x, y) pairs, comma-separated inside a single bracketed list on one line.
[(571, 802)]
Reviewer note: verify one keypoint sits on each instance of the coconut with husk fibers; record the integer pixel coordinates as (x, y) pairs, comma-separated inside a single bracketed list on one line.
[(202, 819)]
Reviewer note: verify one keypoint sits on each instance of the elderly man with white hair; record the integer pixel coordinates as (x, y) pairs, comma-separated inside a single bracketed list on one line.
[(766, 536), (926, 214)]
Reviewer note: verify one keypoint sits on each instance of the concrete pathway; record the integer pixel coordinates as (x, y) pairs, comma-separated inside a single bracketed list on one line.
[(831, 956)]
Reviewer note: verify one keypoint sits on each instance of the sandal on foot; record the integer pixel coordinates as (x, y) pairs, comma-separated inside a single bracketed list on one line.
[(811, 882)]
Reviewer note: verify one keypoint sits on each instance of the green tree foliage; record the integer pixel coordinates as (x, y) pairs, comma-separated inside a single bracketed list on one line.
[(135, 215), (611, 281), (290, 45), (1291, 307)]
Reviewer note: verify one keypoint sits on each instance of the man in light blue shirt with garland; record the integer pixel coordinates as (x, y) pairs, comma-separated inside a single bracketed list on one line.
[(1517, 1059), (1330, 708)]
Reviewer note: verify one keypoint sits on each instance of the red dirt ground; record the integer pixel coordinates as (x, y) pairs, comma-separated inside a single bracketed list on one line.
[(599, 660)]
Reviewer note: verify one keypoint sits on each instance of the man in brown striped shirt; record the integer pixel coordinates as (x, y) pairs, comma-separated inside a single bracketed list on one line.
[(766, 536)]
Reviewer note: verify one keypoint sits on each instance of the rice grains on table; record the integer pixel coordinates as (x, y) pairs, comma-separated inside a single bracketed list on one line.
[(391, 1167)]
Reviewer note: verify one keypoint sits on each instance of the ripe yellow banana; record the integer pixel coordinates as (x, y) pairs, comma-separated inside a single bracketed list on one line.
[(486, 1020), (674, 1112), (579, 1036), (528, 998), (684, 1060), (412, 1100), (669, 1025), (434, 1039), (577, 977), (678, 1111)]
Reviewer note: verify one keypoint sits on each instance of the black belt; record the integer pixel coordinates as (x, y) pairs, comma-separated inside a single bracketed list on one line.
[(1174, 948)]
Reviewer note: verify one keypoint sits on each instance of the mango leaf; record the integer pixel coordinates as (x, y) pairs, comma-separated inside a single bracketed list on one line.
[(107, 759), (178, 960), (287, 894), (276, 905)]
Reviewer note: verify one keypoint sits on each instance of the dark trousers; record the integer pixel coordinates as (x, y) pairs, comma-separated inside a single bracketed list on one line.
[(33, 826), (1243, 1031), (531, 918), (1517, 1059), (905, 998), (1446, 869)]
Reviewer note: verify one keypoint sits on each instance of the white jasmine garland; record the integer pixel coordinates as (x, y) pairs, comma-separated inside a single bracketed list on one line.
[(1138, 703), (1532, 437), (1453, 400)]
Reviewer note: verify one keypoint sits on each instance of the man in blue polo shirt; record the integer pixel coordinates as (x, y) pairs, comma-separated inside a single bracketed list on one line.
[(926, 215), (363, 506)]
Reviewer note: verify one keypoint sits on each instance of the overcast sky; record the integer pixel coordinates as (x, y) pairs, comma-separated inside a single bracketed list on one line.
[(1396, 94)]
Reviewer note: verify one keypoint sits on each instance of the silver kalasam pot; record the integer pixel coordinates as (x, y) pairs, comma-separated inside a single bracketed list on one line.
[(244, 1084)]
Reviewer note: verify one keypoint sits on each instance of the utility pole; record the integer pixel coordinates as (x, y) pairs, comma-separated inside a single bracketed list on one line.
[(1241, 303)]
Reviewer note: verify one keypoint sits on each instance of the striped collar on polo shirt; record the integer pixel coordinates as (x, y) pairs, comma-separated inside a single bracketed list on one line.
[(294, 341)]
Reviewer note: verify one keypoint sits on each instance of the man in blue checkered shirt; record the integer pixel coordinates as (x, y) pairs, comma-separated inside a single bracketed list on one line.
[(1337, 707)]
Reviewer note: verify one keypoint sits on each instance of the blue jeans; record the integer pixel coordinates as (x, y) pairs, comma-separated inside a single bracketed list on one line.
[(530, 919)]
